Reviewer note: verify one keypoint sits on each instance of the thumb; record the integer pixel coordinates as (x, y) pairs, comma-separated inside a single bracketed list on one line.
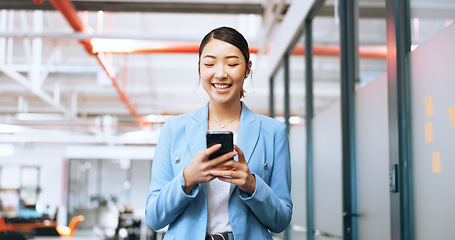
[(239, 153)]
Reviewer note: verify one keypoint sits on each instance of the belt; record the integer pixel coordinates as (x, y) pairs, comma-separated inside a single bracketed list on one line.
[(220, 236)]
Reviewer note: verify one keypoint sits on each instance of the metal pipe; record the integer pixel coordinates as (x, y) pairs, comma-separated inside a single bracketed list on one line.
[(178, 46), (69, 12)]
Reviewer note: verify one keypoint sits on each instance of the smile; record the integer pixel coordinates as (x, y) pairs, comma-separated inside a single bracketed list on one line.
[(221, 85)]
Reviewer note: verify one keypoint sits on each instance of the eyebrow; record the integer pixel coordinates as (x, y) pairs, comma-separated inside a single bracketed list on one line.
[(228, 57)]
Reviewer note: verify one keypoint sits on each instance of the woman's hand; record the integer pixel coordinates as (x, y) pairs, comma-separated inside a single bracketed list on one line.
[(236, 172), (200, 168)]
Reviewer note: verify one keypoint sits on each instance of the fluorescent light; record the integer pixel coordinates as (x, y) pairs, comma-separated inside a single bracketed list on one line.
[(5, 128), (295, 120), (154, 118), (40, 117)]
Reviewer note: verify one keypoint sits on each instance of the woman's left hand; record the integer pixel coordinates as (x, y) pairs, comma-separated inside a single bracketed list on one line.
[(238, 174)]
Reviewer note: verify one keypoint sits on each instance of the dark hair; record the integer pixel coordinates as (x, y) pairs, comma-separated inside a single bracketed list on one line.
[(231, 36)]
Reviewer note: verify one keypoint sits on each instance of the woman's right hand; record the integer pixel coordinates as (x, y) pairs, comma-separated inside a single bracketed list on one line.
[(200, 167)]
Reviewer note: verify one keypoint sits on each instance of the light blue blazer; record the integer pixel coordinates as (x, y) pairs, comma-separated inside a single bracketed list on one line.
[(264, 142)]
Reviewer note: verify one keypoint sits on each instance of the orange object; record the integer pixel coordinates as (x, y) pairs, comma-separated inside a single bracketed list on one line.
[(68, 231), (4, 226)]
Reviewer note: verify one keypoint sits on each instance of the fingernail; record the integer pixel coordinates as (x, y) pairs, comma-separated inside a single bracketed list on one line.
[(234, 153), (213, 172)]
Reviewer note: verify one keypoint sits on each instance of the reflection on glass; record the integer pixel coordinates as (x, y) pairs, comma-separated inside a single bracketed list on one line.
[(428, 17), (372, 50)]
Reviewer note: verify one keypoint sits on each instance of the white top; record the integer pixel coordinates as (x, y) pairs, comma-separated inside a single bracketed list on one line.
[(217, 200)]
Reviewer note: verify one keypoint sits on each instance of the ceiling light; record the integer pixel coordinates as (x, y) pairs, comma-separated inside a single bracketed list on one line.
[(40, 117), (5, 128), (154, 118)]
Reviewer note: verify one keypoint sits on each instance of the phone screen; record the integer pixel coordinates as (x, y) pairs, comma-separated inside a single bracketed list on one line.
[(226, 139)]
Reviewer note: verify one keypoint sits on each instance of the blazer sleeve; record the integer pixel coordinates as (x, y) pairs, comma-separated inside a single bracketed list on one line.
[(166, 199), (272, 203)]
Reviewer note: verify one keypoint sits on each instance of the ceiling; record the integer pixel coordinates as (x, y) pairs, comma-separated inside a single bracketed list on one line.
[(51, 85)]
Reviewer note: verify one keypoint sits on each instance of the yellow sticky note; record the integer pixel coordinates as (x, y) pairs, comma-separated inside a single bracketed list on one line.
[(452, 116), (428, 106), (436, 162), (428, 132)]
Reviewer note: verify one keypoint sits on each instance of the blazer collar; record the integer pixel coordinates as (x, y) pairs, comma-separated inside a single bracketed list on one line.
[(248, 133), (195, 128)]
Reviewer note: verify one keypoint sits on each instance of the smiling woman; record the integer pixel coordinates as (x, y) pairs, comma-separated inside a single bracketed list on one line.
[(230, 196), (223, 70)]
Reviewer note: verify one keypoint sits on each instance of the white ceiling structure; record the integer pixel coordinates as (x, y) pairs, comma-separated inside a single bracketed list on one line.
[(54, 89)]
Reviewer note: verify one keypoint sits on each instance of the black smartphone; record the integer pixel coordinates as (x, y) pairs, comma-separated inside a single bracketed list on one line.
[(226, 139)]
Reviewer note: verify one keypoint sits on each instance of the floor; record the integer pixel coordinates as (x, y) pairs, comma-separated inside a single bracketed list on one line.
[(80, 235)]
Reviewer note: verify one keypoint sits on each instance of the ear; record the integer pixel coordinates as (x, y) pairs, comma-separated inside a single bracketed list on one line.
[(248, 69)]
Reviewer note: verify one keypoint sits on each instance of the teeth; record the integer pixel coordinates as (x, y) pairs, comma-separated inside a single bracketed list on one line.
[(221, 86)]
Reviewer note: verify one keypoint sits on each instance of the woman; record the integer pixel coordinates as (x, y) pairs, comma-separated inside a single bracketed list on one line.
[(222, 198)]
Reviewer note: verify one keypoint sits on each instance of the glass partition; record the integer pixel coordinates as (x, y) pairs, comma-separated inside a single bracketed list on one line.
[(327, 130), (373, 160), (372, 49), (433, 138), (372, 139), (101, 189), (297, 140), (428, 17)]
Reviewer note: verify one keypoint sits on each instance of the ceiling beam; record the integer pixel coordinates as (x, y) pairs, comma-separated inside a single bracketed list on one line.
[(25, 82), (145, 6), (286, 32)]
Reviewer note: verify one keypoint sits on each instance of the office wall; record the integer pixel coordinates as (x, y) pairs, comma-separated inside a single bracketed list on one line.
[(433, 135)]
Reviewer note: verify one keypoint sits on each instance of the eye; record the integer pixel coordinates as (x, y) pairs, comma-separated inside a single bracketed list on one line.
[(233, 64), (209, 64)]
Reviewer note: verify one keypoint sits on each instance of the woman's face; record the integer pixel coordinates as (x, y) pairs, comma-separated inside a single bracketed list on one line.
[(223, 69)]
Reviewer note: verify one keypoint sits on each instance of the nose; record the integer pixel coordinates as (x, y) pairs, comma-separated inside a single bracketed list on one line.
[(220, 73)]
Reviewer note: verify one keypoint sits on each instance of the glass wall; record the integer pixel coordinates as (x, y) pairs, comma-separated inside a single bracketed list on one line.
[(327, 175), (433, 116), (372, 140), (433, 135), (373, 160), (297, 140), (101, 189), (428, 17), (372, 49), (433, 121)]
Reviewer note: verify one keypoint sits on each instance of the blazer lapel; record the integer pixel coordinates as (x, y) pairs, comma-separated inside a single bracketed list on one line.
[(248, 133), (196, 128)]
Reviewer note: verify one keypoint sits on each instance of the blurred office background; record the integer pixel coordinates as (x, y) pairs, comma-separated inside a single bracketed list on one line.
[(85, 86)]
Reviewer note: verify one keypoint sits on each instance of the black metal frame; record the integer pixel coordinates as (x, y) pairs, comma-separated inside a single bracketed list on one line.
[(309, 126), (349, 61), (271, 97), (398, 77)]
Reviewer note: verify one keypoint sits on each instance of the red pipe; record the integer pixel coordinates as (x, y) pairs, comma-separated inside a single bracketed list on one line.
[(68, 10), (322, 50)]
